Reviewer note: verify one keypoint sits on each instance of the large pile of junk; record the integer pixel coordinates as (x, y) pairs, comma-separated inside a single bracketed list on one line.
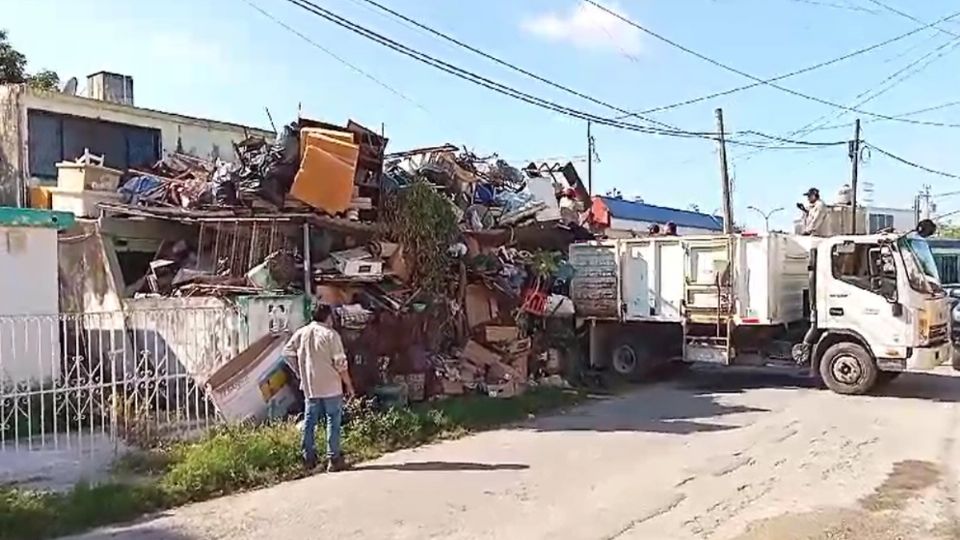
[(447, 270)]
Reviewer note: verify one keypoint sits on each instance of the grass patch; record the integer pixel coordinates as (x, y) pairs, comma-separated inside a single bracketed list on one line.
[(235, 458)]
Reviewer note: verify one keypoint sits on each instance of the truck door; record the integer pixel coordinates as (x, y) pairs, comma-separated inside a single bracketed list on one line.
[(857, 293), (706, 278), (636, 281)]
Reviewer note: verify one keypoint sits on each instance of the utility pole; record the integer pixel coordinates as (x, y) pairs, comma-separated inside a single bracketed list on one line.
[(927, 208), (725, 176), (589, 159), (855, 158)]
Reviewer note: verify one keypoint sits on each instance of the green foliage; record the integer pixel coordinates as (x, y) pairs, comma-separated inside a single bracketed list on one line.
[(948, 230), (231, 459), (44, 79), (235, 458), (13, 68), (425, 224)]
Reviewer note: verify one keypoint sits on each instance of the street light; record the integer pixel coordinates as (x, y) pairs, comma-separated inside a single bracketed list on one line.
[(766, 215)]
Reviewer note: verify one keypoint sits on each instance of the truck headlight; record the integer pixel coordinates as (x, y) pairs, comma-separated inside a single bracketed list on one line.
[(923, 324), (955, 313)]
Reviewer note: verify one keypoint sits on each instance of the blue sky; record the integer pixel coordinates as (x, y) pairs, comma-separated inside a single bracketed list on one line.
[(222, 59)]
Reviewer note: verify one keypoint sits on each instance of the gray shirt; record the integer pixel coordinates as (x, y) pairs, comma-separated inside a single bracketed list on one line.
[(316, 354)]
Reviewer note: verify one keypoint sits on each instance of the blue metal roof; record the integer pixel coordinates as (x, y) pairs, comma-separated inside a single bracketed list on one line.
[(638, 211)]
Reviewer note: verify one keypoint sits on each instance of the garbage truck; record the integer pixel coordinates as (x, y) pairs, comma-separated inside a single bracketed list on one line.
[(854, 310)]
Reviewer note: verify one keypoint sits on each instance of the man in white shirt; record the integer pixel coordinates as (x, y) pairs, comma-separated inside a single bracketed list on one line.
[(315, 352), (814, 215)]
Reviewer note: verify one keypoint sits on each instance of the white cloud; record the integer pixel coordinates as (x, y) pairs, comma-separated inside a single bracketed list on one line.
[(588, 27)]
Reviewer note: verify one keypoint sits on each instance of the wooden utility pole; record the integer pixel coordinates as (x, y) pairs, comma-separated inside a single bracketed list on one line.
[(855, 158), (589, 159), (725, 177)]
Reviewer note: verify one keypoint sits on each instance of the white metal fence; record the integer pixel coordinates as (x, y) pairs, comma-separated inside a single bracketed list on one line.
[(128, 377)]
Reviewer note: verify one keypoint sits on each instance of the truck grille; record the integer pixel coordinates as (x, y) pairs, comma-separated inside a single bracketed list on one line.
[(938, 333)]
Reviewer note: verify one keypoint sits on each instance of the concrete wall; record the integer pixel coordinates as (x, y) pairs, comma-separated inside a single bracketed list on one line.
[(29, 305), (202, 138), (10, 158)]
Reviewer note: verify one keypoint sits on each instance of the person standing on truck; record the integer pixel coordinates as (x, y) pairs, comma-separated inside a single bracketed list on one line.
[(315, 352), (814, 214)]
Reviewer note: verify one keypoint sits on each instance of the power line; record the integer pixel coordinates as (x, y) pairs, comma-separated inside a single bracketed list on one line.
[(505, 63), (742, 73), (837, 6), (897, 78), (794, 73), (910, 17), (337, 57), (911, 113), (912, 163), (498, 87)]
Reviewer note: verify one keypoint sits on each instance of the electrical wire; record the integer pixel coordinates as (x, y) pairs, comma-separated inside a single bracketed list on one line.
[(337, 57), (742, 73), (504, 63), (838, 6), (504, 89), (910, 163), (909, 17)]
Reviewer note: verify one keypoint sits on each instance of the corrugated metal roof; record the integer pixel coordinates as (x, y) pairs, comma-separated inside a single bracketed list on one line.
[(638, 211)]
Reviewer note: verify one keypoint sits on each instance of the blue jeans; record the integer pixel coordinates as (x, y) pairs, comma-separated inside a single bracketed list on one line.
[(332, 410)]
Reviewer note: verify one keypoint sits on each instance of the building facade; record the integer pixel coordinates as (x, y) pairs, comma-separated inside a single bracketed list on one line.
[(38, 129), (620, 218)]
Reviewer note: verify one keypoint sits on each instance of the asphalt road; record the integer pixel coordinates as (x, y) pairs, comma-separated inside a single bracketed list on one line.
[(713, 454)]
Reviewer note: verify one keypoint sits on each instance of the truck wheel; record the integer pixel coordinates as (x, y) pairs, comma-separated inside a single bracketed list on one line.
[(630, 359), (847, 368)]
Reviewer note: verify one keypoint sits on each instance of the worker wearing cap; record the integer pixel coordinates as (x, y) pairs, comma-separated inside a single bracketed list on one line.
[(569, 207), (814, 214)]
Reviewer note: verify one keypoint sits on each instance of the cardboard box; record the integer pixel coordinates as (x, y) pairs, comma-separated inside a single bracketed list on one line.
[(481, 306), (254, 385), (451, 388), (505, 390), (500, 371), (502, 334), (479, 355)]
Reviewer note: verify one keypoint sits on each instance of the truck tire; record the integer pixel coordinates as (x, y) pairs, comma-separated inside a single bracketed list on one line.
[(630, 358), (847, 368)]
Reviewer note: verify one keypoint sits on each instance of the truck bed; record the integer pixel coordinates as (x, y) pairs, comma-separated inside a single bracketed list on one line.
[(671, 279)]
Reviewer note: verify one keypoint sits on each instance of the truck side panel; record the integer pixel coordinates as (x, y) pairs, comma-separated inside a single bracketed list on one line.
[(595, 288)]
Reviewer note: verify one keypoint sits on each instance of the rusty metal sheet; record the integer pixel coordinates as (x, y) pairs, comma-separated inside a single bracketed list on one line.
[(595, 283)]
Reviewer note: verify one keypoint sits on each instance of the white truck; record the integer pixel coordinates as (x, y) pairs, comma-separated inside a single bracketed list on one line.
[(855, 310)]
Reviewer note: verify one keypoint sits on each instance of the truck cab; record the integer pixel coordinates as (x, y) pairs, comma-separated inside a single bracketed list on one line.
[(878, 310)]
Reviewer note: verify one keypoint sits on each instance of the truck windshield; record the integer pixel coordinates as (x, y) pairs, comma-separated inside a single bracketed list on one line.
[(920, 265)]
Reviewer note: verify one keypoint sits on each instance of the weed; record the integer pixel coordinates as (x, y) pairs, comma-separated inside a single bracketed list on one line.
[(233, 458)]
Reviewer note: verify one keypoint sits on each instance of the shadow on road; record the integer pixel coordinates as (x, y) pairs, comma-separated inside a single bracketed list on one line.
[(929, 386), (421, 466), (736, 380), (665, 409)]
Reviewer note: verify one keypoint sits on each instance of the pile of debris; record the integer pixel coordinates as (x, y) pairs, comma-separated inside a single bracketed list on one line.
[(489, 193), (330, 169)]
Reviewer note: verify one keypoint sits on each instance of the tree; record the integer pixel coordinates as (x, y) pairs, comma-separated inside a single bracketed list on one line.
[(949, 230), (13, 68)]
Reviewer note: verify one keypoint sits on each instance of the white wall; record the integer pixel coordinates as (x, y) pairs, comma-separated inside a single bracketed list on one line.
[(904, 219), (198, 137), (29, 305), (622, 228)]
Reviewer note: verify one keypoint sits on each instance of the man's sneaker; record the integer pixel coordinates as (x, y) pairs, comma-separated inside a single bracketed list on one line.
[(309, 463)]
